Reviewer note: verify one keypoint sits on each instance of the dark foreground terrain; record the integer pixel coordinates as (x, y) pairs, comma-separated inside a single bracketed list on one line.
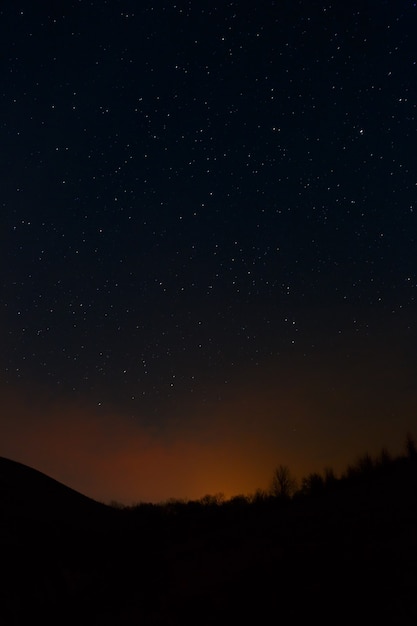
[(338, 552)]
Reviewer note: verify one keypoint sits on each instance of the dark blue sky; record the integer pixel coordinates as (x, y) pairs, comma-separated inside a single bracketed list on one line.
[(198, 197)]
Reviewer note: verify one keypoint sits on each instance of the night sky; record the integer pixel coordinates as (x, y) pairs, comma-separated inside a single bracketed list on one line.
[(208, 240)]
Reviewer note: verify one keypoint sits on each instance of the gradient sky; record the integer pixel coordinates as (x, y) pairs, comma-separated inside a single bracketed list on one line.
[(208, 240)]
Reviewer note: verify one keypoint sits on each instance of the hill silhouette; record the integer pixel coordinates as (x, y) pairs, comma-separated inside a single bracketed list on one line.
[(29, 493), (338, 551)]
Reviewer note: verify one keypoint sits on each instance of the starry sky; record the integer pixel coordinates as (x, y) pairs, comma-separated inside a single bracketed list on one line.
[(208, 239)]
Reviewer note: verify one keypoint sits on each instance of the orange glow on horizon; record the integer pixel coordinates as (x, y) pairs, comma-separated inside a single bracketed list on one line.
[(305, 419)]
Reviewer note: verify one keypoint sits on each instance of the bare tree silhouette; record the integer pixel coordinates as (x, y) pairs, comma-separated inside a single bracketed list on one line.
[(410, 446), (283, 484)]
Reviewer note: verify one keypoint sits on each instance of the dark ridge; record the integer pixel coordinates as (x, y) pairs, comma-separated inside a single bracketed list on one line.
[(28, 493)]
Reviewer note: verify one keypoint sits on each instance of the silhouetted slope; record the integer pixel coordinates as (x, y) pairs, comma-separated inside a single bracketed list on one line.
[(52, 542), (26, 492)]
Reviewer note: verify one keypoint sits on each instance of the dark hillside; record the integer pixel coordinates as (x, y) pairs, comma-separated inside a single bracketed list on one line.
[(50, 541), (28, 493)]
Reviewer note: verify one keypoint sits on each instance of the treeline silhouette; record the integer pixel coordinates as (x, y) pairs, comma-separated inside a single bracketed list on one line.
[(399, 472), (334, 549)]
